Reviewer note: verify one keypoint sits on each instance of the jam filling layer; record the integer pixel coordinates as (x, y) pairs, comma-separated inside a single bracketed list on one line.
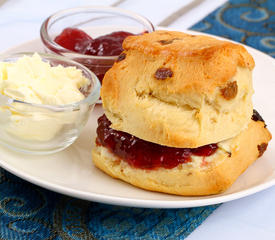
[(142, 154)]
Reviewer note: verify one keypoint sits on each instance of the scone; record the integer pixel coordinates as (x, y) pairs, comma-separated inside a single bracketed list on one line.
[(179, 90), (179, 115)]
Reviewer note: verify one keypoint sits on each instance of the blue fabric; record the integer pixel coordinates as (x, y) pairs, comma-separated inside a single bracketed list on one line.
[(249, 22), (30, 212)]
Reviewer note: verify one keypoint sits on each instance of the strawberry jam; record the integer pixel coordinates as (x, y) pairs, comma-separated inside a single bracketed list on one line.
[(142, 154), (74, 39), (78, 41)]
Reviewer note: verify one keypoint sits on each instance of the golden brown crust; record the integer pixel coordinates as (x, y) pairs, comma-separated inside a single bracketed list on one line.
[(210, 62), (189, 179)]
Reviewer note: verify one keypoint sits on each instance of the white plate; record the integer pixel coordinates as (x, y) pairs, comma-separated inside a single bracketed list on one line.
[(71, 172)]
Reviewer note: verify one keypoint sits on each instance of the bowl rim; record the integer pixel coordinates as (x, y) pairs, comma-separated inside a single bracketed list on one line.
[(90, 99), (50, 44)]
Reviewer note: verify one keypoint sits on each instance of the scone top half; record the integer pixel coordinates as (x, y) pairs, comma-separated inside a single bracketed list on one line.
[(179, 90)]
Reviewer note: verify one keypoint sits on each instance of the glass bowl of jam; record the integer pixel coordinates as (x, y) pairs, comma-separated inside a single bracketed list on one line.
[(92, 36), (45, 101)]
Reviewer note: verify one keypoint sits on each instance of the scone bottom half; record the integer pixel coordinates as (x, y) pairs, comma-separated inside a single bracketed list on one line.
[(205, 170), (179, 90)]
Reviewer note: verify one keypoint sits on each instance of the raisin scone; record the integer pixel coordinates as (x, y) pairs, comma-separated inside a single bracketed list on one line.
[(179, 90), (178, 114)]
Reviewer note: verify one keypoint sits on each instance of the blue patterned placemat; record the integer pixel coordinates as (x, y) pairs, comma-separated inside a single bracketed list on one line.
[(30, 212), (251, 22)]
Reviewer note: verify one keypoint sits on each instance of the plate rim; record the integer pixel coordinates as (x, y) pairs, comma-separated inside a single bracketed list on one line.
[(143, 203)]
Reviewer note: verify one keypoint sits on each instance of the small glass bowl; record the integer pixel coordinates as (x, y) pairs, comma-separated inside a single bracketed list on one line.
[(43, 129), (95, 21)]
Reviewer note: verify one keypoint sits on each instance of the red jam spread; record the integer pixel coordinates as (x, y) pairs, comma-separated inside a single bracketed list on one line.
[(142, 154), (78, 41)]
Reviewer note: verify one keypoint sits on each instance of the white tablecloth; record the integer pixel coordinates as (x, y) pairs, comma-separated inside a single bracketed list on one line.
[(248, 218)]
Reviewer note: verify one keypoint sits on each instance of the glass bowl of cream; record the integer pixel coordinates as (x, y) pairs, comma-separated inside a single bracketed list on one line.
[(45, 101)]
